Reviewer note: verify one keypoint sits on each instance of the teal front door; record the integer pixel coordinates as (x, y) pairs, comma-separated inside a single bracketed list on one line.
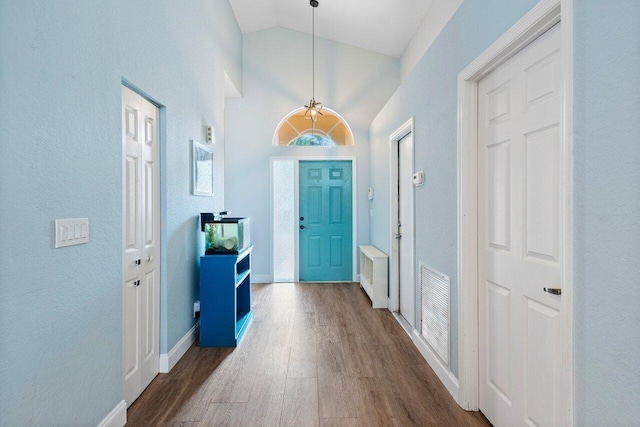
[(325, 223)]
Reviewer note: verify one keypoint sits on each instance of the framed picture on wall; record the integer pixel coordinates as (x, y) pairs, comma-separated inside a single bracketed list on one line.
[(202, 170)]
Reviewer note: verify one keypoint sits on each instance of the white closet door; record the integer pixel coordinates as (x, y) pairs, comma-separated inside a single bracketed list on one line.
[(141, 249), (405, 230), (520, 244)]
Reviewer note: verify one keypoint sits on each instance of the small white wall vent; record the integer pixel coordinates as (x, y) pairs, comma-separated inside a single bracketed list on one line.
[(434, 302)]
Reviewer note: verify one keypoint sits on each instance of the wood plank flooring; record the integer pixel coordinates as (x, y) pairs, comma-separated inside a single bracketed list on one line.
[(314, 355)]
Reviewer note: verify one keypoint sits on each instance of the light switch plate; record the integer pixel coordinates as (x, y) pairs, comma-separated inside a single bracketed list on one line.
[(72, 231)]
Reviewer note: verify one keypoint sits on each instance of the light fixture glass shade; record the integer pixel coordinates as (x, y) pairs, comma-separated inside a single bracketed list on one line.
[(313, 110)]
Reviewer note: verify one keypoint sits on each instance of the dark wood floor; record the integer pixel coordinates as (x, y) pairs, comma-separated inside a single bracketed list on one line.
[(315, 354)]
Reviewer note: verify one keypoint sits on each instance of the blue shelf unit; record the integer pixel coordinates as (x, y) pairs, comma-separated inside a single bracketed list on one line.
[(225, 298)]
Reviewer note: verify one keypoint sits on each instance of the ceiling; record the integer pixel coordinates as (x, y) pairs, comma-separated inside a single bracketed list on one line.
[(383, 26)]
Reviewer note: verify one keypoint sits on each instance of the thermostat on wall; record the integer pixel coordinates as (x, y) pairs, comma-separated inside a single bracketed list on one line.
[(418, 178)]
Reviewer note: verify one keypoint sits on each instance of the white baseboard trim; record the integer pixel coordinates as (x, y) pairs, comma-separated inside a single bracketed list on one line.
[(405, 325), (168, 361), (444, 374), (117, 417), (261, 278)]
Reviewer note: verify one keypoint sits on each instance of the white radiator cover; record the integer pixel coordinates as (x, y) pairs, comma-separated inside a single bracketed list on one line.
[(434, 302), (374, 273)]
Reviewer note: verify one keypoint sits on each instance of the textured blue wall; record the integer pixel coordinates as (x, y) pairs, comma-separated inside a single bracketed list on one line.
[(61, 68), (429, 94), (607, 212), (606, 184)]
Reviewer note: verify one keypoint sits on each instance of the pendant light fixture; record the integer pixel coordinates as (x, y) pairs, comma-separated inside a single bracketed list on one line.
[(314, 108)]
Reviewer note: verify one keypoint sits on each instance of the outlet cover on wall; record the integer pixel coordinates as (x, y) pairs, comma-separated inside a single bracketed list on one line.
[(196, 309)]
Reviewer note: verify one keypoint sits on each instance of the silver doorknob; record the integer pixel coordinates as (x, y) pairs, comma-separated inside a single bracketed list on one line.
[(397, 236), (554, 291), (150, 258)]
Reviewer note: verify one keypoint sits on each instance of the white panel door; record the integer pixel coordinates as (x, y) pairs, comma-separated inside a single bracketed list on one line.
[(519, 236), (405, 230), (140, 238)]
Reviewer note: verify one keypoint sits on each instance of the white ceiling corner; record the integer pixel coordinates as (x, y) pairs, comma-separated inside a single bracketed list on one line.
[(383, 26), (254, 15)]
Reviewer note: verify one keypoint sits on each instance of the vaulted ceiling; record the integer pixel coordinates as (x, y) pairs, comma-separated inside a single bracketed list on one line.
[(383, 26)]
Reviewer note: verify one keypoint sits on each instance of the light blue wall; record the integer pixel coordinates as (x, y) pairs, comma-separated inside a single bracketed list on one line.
[(607, 212), (429, 94), (277, 79), (61, 68), (606, 187)]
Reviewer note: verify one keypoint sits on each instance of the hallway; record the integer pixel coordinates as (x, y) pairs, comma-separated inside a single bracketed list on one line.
[(315, 354)]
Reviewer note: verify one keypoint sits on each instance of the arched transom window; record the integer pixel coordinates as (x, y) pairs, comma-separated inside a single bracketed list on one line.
[(329, 130)]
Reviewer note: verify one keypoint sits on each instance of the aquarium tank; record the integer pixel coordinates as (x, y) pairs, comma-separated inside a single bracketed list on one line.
[(224, 235)]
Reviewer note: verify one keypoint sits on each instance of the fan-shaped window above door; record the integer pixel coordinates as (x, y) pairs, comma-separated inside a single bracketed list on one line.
[(329, 130)]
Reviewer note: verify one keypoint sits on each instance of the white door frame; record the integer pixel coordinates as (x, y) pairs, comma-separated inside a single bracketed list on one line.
[(354, 210), (542, 17), (394, 287)]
